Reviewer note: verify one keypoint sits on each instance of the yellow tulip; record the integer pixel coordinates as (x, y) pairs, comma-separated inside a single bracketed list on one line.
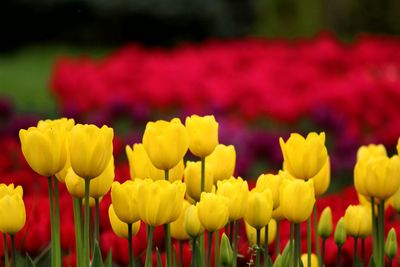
[(63, 123), (192, 177), (90, 149), (166, 143), (11, 190), (371, 151), (382, 177), (222, 161), (297, 199), (178, 227), (259, 208), (12, 213), (273, 182), (322, 179), (251, 233), (314, 260), (44, 149), (119, 227), (357, 221), (304, 157), (203, 134), (237, 192), (125, 200), (277, 214), (325, 223), (213, 211), (99, 186), (141, 167), (161, 201), (396, 201), (192, 222)]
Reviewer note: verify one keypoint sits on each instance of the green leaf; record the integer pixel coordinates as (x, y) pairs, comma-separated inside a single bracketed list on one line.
[(159, 262), (108, 262), (97, 260), (268, 263), (287, 255), (372, 262), (278, 261), (29, 261)]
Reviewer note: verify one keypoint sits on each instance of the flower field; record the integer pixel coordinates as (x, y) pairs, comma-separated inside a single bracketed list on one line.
[(259, 93)]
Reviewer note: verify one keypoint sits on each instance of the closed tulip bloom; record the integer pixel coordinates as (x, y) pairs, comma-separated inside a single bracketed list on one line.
[(178, 227), (357, 221), (90, 149), (304, 157), (277, 214), (10, 190), (252, 233), (325, 223), (166, 143), (322, 179), (213, 211), (161, 201), (125, 201), (222, 161), (370, 151), (382, 177), (193, 227), (273, 182), (203, 134), (396, 201), (12, 213), (99, 186), (391, 244), (314, 260), (297, 199), (141, 167), (63, 123), (192, 177), (237, 192), (259, 208), (44, 149), (340, 232), (119, 227)]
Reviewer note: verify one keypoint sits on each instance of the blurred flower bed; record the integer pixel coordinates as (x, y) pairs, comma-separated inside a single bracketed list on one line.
[(258, 90)]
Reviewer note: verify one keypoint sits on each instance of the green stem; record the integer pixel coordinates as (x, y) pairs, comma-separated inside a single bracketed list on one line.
[(266, 256), (194, 245), (97, 220), (297, 242), (374, 232), (210, 235), (258, 249), (292, 240), (339, 256), (168, 244), (235, 242), (13, 250), (78, 230), (381, 218), (166, 175), (52, 225), (390, 262), (231, 226), (6, 259), (363, 259), (316, 236), (180, 254), (277, 240), (309, 241), (131, 258), (323, 252), (86, 226), (355, 256), (216, 249), (150, 231), (57, 224)]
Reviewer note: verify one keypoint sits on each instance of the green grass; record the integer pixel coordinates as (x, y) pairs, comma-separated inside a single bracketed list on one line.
[(25, 74)]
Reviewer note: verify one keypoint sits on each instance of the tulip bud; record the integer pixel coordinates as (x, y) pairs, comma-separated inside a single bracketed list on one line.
[(314, 260), (161, 201), (222, 161), (259, 208), (203, 134), (178, 227), (273, 182), (119, 227), (225, 252), (304, 157), (237, 192), (141, 167), (216, 205), (124, 200), (192, 179), (357, 221), (325, 223), (391, 244), (166, 143), (192, 223), (90, 149), (340, 233), (297, 199), (12, 213)]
